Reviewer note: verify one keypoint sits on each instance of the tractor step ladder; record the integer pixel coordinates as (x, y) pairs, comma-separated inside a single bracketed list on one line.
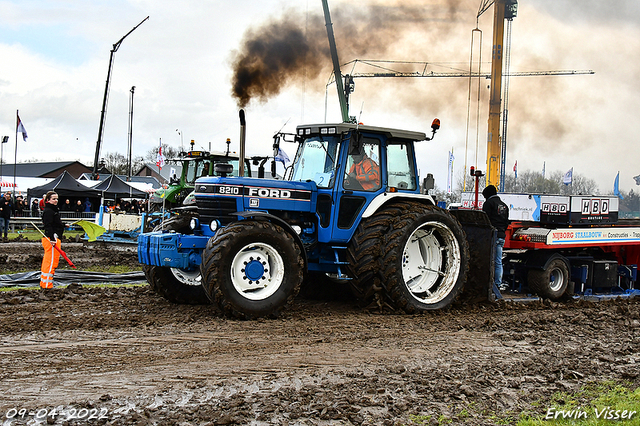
[(337, 262)]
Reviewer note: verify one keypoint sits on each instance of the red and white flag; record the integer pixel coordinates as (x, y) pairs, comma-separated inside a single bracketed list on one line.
[(160, 157), (20, 129)]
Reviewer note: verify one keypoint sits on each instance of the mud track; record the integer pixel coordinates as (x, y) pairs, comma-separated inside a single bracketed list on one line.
[(133, 358)]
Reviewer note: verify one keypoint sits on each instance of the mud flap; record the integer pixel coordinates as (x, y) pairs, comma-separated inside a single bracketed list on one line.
[(481, 237)]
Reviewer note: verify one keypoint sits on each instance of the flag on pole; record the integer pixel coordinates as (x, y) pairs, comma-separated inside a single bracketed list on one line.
[(92, 230), (20, 129), (515, 169), (160, 157), (450, 172), (616, 188), (282, 157), (568, 177)]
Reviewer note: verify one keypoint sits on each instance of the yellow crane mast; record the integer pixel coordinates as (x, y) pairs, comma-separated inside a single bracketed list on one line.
[(503, 10)]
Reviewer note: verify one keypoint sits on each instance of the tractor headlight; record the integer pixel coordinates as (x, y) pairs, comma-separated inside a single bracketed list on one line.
[(194, 223), (297, 229), (214, 225)]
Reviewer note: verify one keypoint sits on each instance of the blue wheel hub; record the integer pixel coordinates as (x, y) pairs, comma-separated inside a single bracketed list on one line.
[(254, 270)]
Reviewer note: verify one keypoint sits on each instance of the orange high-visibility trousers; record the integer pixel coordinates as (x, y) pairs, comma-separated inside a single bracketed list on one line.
[(49, 262)]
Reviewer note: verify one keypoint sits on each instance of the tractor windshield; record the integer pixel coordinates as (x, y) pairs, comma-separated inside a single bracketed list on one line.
[(316, 160), (191, 172)]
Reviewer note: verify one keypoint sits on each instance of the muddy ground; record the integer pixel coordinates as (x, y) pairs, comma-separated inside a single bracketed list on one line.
[(125, 356)]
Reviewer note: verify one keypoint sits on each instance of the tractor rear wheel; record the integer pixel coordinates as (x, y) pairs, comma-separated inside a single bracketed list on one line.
[(425, 260), (252, 269), (365, 250), (550, 282), (176, 285)]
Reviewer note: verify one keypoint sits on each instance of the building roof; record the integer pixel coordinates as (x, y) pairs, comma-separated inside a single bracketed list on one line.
[(44, 169)]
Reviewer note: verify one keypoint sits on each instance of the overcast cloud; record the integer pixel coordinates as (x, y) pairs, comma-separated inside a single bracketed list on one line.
[(55, 56)]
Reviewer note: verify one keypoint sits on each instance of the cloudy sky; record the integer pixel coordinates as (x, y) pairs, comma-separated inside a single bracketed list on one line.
[(184, 62)]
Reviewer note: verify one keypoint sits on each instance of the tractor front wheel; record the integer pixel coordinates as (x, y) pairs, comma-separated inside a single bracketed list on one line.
[(252, 269)]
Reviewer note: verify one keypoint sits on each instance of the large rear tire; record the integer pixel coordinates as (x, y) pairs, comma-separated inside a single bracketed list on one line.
[(177, 285), (252, 269), (550, 282), (425, 261), (365, 250)]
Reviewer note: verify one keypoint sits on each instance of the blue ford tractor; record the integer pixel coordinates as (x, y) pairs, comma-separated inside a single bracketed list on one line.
[(249, 243)]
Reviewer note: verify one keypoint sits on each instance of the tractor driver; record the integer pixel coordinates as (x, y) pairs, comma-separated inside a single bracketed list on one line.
[(363, 174), (205, 170)]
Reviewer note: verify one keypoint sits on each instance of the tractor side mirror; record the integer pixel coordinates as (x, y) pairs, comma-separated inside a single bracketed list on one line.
[(223, 169), (355, 144)]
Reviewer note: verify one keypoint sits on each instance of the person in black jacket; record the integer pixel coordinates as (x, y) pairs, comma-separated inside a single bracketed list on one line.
[(53, 229), (6, 210), (498, 213)]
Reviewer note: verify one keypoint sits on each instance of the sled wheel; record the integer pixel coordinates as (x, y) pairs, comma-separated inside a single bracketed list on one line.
[(425, 261), (252, 269), (365, 250), (176, 285), (551, 282)]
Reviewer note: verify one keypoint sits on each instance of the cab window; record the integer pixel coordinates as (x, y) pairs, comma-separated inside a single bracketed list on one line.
[(363, 166), (400, 171)]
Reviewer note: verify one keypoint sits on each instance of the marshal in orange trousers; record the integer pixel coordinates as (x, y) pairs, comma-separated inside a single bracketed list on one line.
[(49, 262)]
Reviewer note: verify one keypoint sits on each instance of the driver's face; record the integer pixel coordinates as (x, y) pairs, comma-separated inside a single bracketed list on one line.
[(357, 157)]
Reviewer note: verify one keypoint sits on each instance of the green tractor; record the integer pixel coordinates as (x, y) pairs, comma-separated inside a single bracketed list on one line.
[(194, 164)]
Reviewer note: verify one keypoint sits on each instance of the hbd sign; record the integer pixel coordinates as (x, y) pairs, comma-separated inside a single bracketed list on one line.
[(554, 208), (595, 207)]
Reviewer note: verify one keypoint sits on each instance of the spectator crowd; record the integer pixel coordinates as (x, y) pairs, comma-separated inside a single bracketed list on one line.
[(19, 207)]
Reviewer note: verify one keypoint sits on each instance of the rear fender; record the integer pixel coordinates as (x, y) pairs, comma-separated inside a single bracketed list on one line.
[(540, 259), (395, 197)]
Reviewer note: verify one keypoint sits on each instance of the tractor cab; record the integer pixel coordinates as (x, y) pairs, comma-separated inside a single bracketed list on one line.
[(353, 167), (188, 167)]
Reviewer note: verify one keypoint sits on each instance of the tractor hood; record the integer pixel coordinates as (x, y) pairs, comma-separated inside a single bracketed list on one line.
[(259, 194), (164, 194)]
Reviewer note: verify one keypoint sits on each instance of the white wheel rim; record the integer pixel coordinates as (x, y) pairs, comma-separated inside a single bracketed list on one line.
[(187, 277), (556, 279), (431, 262), (257, 271)]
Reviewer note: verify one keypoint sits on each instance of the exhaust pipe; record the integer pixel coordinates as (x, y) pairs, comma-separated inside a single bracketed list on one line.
[(243, 136)]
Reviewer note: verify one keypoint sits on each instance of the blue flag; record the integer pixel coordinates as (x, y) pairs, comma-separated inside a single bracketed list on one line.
[(282, 157), (616, 189)]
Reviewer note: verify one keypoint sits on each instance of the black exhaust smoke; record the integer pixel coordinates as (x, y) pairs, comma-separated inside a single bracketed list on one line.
[(273, 55), (294, 48)]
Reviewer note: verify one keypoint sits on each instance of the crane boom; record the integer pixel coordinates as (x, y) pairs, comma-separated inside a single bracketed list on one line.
[(344, 110), (103, 113), (467, 75), (495, 94)]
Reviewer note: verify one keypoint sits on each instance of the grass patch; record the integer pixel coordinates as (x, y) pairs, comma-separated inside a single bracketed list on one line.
[(113, 269), (594, 404), (33, 235), (105, 285)]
